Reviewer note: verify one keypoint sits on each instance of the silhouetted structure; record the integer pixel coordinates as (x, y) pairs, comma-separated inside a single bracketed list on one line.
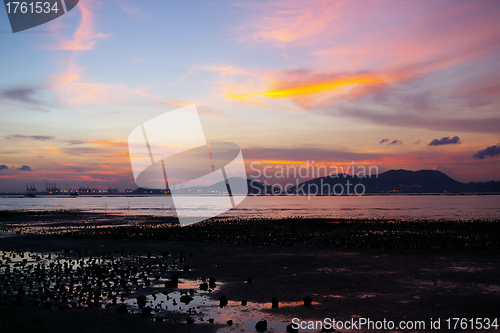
[(51, 188), (30, 190)]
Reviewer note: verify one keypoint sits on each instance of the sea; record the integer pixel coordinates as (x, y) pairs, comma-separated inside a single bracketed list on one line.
[(451, 207)]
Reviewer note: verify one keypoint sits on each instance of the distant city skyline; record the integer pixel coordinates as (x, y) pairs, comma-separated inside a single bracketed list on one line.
[(400, 85)]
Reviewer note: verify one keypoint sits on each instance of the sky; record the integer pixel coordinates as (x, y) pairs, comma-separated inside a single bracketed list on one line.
[(394, 84)]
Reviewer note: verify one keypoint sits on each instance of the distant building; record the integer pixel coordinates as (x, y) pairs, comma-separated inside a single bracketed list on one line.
[(112, 191)]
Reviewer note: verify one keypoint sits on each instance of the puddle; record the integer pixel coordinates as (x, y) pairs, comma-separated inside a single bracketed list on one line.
[(69, 280)]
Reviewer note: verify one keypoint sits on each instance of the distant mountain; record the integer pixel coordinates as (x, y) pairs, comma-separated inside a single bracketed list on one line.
[(422, 181), (237, 186), (392, 181)]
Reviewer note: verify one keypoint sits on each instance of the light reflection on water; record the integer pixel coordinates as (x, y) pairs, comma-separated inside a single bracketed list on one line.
[(389, 206), (64, 288)]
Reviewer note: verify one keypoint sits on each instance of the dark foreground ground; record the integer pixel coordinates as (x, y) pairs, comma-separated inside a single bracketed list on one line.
[(398, 270)]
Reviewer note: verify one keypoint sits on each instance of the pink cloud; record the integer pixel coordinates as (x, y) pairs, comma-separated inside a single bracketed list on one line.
[(280, 22), (73, 88)]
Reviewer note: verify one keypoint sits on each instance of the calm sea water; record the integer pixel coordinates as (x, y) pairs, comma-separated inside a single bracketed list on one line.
[(392, 206)]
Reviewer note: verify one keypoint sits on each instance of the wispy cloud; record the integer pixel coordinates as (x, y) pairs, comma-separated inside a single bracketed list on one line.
[(408, 119), (29, 95), (73, 88), (298, 155), (223, 71), (491, 151), (30, 137), (130, 7), (389, 142), (369, 73), (281, 22), (445, 141), (85, 36), (76, 142), (109, 143), (23, 94)]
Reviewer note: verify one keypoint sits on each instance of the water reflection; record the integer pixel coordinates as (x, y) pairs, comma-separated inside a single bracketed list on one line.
[(128, 282), (392, 206)]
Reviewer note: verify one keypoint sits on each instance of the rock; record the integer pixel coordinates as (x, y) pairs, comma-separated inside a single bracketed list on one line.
[(275, 303), (186, 299), (244, 302), (308, 301), (146, 311), (261, 326), (249, 280), (211, 320), (189, 320), (204, 286), (174, 281), (141, 301), (229, 322), (290, 329), (122, 308)]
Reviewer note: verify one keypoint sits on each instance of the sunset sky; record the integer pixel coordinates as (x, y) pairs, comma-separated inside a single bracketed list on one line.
[(398, 84)]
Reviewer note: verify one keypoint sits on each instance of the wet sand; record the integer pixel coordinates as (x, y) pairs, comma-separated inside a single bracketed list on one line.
[(375, 283)]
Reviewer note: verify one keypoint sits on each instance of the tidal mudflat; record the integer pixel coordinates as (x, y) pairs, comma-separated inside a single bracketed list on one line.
[(103, 275)]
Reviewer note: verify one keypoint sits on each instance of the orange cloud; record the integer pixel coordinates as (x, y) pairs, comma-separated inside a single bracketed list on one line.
[(88, 178), (54, 150), (408, 161), (60, 81), (310, 88), (108, 143)]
